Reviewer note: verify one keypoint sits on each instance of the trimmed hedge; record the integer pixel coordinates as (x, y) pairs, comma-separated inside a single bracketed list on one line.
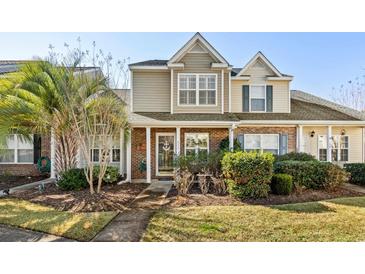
[(313, 174), (282, 184), (248, 174), (72, 179), (357, 173), (295, 156)]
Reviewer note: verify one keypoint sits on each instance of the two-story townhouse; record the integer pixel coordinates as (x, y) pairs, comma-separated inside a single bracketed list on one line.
[(191, 102)]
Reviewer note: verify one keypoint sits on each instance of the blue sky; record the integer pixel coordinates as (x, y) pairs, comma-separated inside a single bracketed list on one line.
[(318, 61)]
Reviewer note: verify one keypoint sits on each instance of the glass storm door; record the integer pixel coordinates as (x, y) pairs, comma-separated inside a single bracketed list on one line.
[(165, 147)]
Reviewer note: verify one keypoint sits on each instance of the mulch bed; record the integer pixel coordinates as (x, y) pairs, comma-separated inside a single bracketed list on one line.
[(112, 197), (198, 199), (7, 182)]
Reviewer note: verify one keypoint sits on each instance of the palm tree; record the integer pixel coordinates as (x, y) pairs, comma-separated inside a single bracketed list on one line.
[(36, 100)]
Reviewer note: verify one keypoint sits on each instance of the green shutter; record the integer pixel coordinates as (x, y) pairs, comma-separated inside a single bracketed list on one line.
[(241, 140), (246, 98), (37, 146), (268, 98), (283, 144)]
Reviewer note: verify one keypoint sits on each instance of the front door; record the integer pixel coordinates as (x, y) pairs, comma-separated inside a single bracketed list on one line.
[(165, 149)]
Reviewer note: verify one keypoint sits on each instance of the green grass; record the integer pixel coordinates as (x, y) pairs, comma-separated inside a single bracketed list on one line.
[(78, 226), (340, 219)]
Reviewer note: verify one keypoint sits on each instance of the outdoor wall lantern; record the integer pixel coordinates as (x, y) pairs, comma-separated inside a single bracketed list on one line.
[(312, 133), (343, 132)]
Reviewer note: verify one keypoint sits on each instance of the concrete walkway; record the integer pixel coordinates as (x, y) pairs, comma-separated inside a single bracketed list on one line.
[(14, 234), (130, 224), (26, 186), (355, 188)]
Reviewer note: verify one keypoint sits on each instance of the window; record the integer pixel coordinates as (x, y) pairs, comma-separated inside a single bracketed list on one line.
[(207, 89), (196, 143), (18, 150), (258, 98), (339, 148), (262, 143), (114, 153), (197, 89), (322, 147)]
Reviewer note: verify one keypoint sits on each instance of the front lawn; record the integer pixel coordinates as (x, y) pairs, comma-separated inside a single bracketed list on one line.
[(341, 219), (78, 226)]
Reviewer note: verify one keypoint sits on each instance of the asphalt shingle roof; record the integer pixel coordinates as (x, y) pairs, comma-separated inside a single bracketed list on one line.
[(151, 63), (300, 110)]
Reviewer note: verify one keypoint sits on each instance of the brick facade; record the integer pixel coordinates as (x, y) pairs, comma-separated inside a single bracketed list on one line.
[(138, 143), (27, 169), (216, 135), (291, 131)]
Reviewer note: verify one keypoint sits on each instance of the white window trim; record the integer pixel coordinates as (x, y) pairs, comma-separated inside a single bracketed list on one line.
[(338, 150), (197, 89), (16, 153), (110, 154), (196, 147), (261, 148), (158, 134), (250, 97)]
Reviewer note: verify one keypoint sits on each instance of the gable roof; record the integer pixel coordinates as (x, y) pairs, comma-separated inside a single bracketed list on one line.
[(257, 56), (197, 38)]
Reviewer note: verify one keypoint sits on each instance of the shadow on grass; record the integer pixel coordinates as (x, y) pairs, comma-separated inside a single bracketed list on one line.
[(312, 207), (351, 201)]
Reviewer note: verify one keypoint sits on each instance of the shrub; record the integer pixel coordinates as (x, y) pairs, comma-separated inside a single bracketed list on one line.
[(72, 179), (111, 174), (195, 164), (357, 173), (224, 144), (219, 185), (282, 184), (313, 174), (183, 182), (249, 173), (249, 190), (295, 156)]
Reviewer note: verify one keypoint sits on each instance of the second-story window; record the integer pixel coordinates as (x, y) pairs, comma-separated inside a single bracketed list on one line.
[(197, 89), (258, 98), (187, 89)]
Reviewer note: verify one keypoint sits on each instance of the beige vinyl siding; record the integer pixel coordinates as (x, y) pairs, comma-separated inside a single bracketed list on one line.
[(280, 96), (355, 141), (258, 72), (236, 93), (151, 91), (226, 91), (197, 63)]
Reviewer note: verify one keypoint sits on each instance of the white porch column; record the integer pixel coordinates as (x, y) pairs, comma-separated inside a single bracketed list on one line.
[(148, 154), (300, 139), (129, 157), (53, 155), (329, 147), (231, 138), (121, 148), (177, 150), (78, 164)]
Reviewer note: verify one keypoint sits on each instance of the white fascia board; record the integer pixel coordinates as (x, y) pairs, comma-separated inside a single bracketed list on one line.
[(219, 65), (284, 78), (301, 122), (176, 65), (188, 45), (148, 67), (267, 62)]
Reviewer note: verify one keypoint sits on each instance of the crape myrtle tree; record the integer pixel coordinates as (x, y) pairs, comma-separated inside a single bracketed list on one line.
[(351, 94), (69, 95)]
